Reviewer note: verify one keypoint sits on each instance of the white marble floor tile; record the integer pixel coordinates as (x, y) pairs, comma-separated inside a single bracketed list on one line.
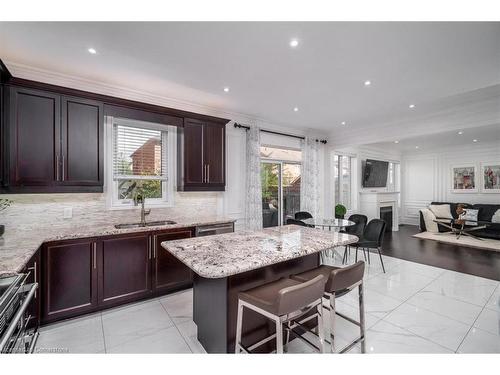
[(391, 287), (132, 322), (167, 340), (429, 325), (494, 301), (179, 305), (376, 303), (464, 287), (405, 267), (489, 320), (189, 331), (384, 337), (479, 341), (450, 307), (81, 335)]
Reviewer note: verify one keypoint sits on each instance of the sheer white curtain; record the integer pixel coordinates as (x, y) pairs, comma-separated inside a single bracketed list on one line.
[(253, 205), (309, 181)]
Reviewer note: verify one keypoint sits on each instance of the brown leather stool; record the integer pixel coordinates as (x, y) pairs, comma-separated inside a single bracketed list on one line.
[(282, 301), (340, 281)]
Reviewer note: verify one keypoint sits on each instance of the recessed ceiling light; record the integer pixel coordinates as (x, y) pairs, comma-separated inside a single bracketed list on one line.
[(416, 147), (296, 109), (368, 83), (460, 132), (294, 43), (474, 140), (411, 106), (396, 141), (92, 51), (343, 123), (226, 89)]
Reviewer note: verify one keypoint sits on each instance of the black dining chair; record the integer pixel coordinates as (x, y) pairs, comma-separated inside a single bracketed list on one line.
[(372, 238), (301, 215), (296, 222), (356, 230)]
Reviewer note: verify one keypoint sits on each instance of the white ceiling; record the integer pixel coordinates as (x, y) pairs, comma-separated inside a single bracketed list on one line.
[(422, 63), (449, 139)]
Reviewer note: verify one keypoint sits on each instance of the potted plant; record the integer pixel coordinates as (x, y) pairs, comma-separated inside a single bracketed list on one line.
[(4, 203), (340, 211)]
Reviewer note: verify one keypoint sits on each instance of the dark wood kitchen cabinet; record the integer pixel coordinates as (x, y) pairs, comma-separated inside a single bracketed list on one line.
[(201, 156), (169, 273), (69, 279), (34, 134), (55, 143), (82, 133), (124, 264)]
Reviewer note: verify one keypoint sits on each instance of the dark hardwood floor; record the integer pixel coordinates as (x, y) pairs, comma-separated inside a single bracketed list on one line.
[(401, 244)]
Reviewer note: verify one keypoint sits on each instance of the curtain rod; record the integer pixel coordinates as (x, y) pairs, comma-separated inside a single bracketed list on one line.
[(236, 125)]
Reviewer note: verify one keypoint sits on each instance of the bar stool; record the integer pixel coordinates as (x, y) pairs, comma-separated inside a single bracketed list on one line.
[(282, 301), (340, 281)]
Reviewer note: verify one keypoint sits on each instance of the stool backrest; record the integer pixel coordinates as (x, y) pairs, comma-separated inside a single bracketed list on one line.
[(358, 228), (301, 215), (296, 222), (296, 297), (345, 277), (374, 231)]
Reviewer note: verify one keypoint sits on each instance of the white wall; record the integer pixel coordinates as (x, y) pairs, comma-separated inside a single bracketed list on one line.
[(426, 177)]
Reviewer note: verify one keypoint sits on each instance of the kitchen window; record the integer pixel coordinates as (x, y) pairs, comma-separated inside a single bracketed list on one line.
[(140, 161)]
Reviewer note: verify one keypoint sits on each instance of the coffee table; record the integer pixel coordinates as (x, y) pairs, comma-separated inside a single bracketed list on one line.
[(461, 227)]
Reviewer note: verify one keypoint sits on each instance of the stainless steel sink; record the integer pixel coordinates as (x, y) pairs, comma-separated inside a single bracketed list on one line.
[(149, 224)]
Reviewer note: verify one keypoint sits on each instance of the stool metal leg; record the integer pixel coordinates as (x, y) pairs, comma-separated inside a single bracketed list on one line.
[(321, 328), (279, 336), (362, 318), (332, 322), (237, 344)]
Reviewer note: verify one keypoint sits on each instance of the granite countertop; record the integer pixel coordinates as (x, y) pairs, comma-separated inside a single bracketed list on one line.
[(228, 254), (18, 245)]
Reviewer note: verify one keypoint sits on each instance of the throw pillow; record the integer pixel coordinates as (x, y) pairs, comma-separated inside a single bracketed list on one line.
[(442, 211), (496, 217), (470, 216), (429, 218)]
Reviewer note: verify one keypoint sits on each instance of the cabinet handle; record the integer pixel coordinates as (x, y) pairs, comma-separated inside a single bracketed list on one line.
[(208, 173), (62, 167), (205, 173), (57, 168), (155, 239), (94, 255), (34, 269)]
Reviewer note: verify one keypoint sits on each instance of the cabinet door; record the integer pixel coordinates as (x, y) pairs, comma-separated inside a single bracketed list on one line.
[(193, 153), (213, 149), (34, 137), (124, 269), (169, 273), (69, 279), (82, 142), (33, 269)]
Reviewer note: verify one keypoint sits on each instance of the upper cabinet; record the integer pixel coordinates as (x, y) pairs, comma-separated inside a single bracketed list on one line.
[(55, 143), (201, 156)]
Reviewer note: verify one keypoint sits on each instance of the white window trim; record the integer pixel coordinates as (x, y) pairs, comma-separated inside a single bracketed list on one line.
[(110, 186)]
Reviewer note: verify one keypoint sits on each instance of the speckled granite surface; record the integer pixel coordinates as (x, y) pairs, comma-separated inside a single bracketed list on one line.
[(229, 254), (19, 243)]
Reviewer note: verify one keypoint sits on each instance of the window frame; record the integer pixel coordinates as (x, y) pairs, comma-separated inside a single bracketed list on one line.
[(111, 185), (337, 182)]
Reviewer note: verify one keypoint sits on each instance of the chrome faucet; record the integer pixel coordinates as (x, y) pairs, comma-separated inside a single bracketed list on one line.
[(140, 199)]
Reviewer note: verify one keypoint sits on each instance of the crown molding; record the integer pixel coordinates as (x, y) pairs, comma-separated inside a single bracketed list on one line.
[(60, 79)]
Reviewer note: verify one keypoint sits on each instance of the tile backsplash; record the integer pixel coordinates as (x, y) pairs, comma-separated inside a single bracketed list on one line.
[(43, 209)]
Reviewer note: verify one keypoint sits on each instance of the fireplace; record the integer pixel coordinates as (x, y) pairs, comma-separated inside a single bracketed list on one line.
[(386, 215)]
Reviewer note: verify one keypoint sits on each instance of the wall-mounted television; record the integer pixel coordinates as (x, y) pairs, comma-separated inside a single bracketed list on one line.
[(375, 173)]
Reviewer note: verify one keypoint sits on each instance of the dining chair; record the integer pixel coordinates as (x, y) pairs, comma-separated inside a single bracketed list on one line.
[(296, 222), (372, 238), (356, 230), (301, 215)]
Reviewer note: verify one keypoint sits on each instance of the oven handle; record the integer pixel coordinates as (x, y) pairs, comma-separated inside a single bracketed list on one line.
[(17, 317)]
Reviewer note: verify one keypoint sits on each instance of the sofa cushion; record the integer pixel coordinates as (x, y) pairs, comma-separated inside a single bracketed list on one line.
[(470, 215), (453, 207), (496, 217), (441, 211), (486, 211), (429, 218)]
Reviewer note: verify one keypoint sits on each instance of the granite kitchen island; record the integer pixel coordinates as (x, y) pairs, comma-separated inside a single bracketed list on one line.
[(226, 264)]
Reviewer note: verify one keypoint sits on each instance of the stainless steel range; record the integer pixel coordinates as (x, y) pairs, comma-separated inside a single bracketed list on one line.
[(15, 297)]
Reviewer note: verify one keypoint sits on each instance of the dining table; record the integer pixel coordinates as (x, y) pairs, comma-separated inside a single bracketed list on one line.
[(337, 224)]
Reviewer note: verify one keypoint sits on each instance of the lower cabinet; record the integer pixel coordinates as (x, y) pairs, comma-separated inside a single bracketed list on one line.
[(124, 265), (169, 273), (33, 270), (82, 276), (69, 279)]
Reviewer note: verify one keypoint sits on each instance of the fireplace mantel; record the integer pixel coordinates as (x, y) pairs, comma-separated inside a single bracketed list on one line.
[(371, 202)]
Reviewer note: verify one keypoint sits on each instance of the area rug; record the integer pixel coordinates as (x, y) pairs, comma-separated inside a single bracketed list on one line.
[(485, 244)]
